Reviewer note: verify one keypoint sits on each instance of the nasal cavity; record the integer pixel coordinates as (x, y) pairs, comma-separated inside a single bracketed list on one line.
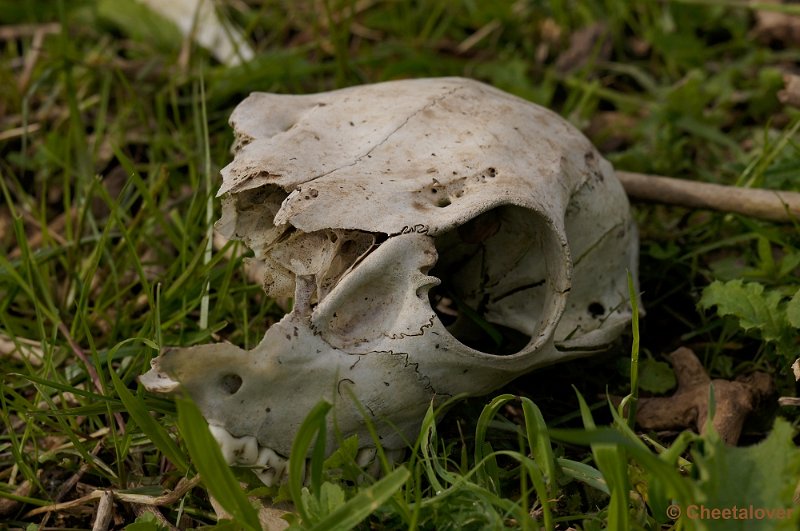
[(230, 383)]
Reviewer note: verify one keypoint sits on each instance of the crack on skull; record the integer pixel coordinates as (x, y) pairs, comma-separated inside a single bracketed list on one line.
[(598, 242), (435, 101), (424, 380), (409, 229), (519, 289), (422, 329)]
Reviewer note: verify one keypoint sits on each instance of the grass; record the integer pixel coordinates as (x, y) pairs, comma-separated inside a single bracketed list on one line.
[(114, 129)]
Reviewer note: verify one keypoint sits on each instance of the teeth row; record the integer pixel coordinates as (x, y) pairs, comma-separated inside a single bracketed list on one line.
[(269, 466), (245, 451)]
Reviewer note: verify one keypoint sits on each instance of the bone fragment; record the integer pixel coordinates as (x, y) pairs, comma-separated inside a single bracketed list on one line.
[(689, 407), (758, 203)]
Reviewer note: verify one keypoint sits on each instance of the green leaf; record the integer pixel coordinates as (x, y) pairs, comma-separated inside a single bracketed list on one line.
[(793, 310), (656, 376), (145, 522), (344, 455), (364, 503), (762, 476), (216, 473), (754, 308), (331, 497)]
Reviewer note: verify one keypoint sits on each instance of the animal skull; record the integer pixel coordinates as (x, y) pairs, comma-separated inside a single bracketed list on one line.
[(386, 211)]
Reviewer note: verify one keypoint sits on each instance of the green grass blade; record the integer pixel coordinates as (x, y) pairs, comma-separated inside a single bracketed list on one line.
[(427, 447), (539, 443), (207, 457), (313, 424), (482, 427), (613, 463), (584, 473), (157, 434), (633, 401)]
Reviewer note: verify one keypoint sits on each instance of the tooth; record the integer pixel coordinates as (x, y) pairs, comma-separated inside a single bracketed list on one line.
[(273, 466), (247, 453), (365, 456), (236, 451), (226, 443)]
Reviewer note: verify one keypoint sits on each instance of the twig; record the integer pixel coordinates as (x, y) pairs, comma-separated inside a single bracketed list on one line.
[(19, 131), (169, 498), (753, 202), (32, 57), (104, 512), (21, 349), (477, 37), (71, 482), (23, 30), (7, 506)]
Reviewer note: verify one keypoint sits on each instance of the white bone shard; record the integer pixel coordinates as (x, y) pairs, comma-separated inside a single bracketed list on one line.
[(438, 236)]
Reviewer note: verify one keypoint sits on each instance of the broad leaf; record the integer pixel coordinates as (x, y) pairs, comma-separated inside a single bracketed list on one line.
[(756, 482), (656, 376), (754, 308)]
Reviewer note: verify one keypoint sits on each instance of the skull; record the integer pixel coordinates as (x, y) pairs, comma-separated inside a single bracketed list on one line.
[(438, 237)]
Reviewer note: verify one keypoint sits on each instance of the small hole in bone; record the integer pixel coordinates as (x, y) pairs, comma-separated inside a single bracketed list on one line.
[(230, 383), (491, 172), (596, 309), (443, 202)]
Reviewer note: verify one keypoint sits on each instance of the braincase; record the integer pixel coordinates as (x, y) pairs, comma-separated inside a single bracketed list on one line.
[(413, 153)]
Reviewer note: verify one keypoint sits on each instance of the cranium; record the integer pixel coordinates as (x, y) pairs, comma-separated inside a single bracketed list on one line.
[(405, 219)]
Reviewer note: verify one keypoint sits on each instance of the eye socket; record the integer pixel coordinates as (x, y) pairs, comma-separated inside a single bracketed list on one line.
[(230, 383), (494, 280)]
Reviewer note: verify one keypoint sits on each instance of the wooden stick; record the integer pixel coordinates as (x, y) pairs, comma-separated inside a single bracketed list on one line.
[(753, 202), (169, 498)]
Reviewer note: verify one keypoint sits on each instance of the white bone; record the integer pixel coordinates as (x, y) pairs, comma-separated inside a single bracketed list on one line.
[(272, 466), (384, 210), (235, 450), (365, 456)]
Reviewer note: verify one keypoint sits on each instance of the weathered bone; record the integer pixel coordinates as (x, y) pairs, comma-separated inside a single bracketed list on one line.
[(384, 210)]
